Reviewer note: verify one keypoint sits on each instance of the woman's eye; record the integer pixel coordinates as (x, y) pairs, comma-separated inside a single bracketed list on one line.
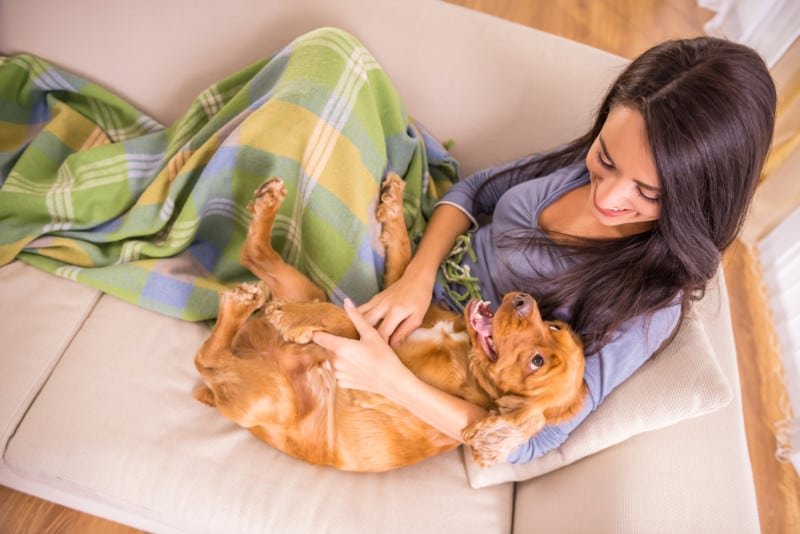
[(554, 327), (647, 197), (605, 163)]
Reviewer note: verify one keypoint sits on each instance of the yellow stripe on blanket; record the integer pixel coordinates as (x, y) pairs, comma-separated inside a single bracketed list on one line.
[(12, 135), (65, 250), (74, 130), (329, 158)]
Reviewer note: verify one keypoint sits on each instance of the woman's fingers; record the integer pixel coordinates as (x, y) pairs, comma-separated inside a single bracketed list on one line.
[(402, 331), (328, 341), (371, 310), (359, 321)]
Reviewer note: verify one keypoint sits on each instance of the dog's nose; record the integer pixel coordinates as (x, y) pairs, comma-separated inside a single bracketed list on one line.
[(523, 304)]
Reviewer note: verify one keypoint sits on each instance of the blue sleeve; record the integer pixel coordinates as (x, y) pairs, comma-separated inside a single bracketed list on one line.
[(464, 194), (631, 346)]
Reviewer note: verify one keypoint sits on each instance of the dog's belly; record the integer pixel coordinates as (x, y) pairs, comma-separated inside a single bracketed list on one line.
[(375, 434), (303, 413), (441, 332), (347, 429)]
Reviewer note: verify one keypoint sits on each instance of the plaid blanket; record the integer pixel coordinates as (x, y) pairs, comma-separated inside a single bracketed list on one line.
[(95, 191)]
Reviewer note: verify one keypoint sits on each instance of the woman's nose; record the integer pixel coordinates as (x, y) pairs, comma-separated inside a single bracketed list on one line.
[(614, 192)]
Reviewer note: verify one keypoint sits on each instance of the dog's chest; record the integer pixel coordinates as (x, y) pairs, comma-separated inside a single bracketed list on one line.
[(440, 332)]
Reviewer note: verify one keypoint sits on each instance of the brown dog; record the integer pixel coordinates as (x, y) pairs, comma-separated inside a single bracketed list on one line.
[(261, 370)]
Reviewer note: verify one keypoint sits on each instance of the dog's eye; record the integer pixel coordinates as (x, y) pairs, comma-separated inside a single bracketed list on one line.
[(537, 361), (554, 327)]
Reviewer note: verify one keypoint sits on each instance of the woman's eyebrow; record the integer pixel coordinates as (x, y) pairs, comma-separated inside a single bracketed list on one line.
[(605, 150)]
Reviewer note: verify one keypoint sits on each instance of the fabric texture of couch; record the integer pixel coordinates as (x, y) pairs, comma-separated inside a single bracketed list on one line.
[(95, 396)]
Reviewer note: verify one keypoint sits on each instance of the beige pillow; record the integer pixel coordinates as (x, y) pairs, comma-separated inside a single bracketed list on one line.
[(683, 380)]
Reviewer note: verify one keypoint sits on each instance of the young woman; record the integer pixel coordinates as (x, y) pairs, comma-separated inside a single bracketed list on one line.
[(616, 232)]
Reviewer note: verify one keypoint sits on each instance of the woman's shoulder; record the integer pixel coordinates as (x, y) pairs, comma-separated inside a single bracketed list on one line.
[(530, 197), (557, 182)]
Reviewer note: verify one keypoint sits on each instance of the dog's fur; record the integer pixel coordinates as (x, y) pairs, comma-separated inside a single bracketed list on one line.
[(264, 373)]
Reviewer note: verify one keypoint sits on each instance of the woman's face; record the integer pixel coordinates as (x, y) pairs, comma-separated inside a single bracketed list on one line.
[(625, 189)]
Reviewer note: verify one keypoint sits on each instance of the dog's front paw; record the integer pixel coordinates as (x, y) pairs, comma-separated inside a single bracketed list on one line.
[(492, 439), (391, 200)]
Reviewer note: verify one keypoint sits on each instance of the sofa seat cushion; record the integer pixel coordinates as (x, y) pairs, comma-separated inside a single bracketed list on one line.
[(40, 315), (117, 421)]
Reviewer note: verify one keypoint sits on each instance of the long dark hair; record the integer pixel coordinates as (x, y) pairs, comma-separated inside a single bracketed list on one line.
[(709, 109)]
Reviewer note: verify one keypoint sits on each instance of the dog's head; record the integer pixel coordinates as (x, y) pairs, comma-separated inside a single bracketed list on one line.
[(516, 352)]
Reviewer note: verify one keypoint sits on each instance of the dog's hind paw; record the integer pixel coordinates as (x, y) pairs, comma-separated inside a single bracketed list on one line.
[(292, 327), (205, 395), (246, 297), (268, 196)]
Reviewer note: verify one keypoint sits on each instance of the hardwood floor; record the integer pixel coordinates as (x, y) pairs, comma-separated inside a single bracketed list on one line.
[(763, 395), (624, 27)]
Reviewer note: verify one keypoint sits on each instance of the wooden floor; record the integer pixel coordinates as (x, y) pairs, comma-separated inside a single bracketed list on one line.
[(624, 27)]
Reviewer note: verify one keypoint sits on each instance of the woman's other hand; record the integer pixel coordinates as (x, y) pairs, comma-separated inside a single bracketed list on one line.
[(368, 363), (399, 309)]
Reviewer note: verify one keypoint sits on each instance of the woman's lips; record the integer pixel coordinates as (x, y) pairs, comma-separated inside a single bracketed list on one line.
[(612, 213)]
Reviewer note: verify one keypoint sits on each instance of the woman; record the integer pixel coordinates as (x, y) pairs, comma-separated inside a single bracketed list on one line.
[(616, 232)]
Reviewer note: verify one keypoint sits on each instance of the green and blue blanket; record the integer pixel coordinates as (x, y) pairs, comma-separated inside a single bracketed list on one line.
[(95, 191)]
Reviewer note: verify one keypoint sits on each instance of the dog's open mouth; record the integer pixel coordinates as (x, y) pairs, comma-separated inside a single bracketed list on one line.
[(480, 318)]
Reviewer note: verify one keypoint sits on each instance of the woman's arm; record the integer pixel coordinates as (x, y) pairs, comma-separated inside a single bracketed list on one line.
[(369, 364)]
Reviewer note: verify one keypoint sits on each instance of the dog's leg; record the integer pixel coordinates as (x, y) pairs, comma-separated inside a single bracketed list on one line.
[(284, 281), (394, 234), (235, 307), (297, 321), (494, 437)]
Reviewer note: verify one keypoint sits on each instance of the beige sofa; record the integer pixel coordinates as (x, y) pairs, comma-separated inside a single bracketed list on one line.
[(95, 394)]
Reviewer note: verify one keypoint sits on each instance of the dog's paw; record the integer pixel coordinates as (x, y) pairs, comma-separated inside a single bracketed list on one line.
[(205, 395), (492, 439), (290, 326), (244, 298), (391, 199), (268, 196)]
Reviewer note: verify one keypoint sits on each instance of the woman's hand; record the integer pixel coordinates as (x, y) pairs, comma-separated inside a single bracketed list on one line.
[(368, 363), (399, 309)]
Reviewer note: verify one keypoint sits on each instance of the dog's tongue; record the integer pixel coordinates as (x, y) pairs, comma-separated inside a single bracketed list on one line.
[(481, 320), (482, 324)]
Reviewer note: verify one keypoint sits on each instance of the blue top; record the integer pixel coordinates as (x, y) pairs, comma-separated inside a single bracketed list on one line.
[(516, 204)]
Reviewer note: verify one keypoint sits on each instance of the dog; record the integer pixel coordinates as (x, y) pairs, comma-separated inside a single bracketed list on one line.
[(261, 370)]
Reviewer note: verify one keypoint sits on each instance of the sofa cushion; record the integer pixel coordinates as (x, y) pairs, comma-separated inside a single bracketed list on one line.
[(40, 315), (693, 476), (684, 380), (116, 422)]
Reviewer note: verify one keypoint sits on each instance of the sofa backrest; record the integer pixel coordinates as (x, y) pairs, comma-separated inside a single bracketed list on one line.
[(499, 90)]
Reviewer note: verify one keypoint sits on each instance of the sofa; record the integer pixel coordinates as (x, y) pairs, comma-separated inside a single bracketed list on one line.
[(96, 411)]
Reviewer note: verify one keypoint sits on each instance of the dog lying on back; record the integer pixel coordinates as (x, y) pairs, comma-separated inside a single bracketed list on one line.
[(262, 371)]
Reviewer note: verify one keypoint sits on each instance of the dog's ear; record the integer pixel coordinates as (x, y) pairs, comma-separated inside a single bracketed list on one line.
[(492, 438)]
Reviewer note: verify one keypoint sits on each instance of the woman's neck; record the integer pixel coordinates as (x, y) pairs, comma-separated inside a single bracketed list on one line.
[(571, 215)]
